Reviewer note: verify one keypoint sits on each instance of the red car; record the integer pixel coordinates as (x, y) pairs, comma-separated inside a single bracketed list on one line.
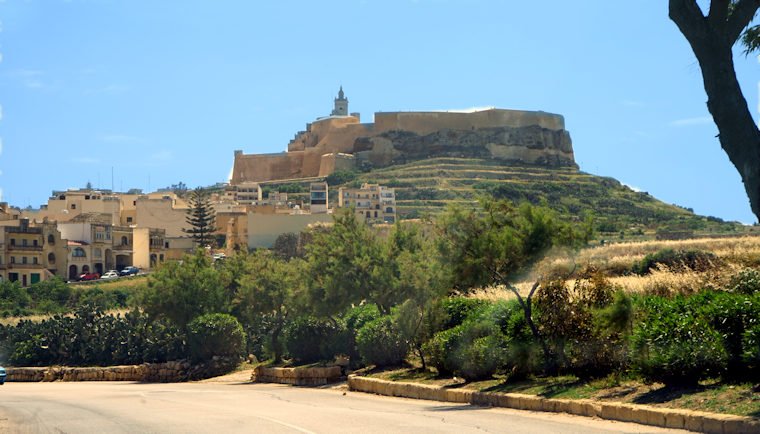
[(89, 276)]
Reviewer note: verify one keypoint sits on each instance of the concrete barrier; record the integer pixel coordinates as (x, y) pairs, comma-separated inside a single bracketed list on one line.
[(711, 423), (315, 376)]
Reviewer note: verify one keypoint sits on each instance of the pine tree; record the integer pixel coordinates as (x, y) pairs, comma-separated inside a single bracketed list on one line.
[(200, 217)]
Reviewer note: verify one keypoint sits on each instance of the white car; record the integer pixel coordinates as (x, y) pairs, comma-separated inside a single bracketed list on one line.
[(111, 274)]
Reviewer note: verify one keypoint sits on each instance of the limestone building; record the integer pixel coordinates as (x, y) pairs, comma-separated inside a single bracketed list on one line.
[(372, 203)]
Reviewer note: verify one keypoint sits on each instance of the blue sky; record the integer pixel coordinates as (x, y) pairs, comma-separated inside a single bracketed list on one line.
[(165, 91)]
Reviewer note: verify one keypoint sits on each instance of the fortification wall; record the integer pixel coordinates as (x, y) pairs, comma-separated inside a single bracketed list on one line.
[(265, 167), (333, 162), (428, 122)]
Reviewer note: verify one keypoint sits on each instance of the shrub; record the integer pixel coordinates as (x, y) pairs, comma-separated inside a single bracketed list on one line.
[(746, 281), (751, 351), (695, 260), (674, 345), (458, 309), (308, 339), (442, 350), (215, 334), (380, 343), (354, 319)]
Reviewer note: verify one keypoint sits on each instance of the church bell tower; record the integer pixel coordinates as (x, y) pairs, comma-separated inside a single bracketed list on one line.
[(341, 104)]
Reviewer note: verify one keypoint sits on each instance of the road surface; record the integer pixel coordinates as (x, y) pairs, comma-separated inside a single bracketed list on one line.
[(219, 407)]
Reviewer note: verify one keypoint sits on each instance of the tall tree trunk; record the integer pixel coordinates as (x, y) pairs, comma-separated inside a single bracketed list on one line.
[(712, 38)]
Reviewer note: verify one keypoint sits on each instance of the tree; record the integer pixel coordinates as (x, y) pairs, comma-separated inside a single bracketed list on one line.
[(181, 291), (200, 217), (268, 288), (711, 38), (492, 246), (344, 264)]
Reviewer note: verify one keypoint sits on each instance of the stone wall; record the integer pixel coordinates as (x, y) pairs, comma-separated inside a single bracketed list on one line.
[(316, 376), (169, 372)]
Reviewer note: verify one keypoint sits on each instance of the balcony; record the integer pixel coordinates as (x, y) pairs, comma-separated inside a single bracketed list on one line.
[(25, 248)]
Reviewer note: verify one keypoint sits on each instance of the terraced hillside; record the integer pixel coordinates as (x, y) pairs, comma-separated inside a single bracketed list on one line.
[(427, 186)]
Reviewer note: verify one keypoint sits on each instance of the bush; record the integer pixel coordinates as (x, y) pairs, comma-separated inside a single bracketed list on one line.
[(522, 355), (695, 260), (354, 319), (751, 351), (380, 343), (442, 348), (215, 334), (308, 339), (672, 344), (458, 309), (746, 281)]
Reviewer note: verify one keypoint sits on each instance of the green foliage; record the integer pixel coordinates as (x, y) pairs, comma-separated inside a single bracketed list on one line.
[(89, 337), (340, 177), (751, 351), (200, 217), (56, 296), (582, 326), (344, 265), (380, 343), (215, 334), (674, 345), (475, 349), (746, 281), (696, 260), (181, 291), (458, 309), (308, 339), (354, 319), (487, 248)]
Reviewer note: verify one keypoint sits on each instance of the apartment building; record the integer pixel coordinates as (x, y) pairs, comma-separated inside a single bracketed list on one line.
[(373, 203)]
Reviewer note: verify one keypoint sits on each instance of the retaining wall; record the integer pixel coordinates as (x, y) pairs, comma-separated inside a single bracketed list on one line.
[(297, 376), (647, 415)]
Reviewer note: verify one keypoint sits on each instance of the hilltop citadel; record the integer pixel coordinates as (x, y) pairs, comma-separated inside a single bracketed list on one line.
[(92, 230)]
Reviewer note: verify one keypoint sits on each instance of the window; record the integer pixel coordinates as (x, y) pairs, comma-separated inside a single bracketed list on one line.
[(51, 239), (129, 219), (73, 206), (13, 241), (23, 259), (124, 241), (389, 210), (34, 243), (34, 260), (78, 253), (51, 258), (166, 245), (13, 259), (24, 242), (96, 252)]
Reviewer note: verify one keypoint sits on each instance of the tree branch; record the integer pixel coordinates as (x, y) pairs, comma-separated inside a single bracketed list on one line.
[(741, 16), (688, 17), (718, 12)]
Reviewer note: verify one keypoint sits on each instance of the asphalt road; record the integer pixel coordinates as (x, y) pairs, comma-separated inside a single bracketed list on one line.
[(214, 407)]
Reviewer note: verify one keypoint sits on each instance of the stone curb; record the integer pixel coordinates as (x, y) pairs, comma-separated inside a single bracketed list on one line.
[(316, 376), (699, 421)]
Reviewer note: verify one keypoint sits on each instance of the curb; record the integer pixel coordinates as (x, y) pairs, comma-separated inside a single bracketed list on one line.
[(699, 421)]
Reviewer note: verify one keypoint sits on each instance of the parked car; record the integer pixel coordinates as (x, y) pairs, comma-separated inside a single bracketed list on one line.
[(89, 276), (129, 271), (110, 274), (2, 375)]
